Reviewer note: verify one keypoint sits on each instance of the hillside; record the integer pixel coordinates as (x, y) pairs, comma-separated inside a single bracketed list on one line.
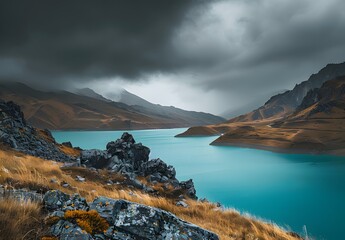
[(66, 110), (143, 106), (316, 125), (281, 105)]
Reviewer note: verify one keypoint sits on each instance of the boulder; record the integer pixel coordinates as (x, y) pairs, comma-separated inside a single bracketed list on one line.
[(127, 220), (67, 144), (182, 204), (95, 158), (54, 200), (126, 149), (155, 166), (144, 222), (189, 187), (66, 230)]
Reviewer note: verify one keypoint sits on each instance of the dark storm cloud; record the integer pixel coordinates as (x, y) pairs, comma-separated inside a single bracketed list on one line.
[(273, 45), (84, 39), (241, 51)]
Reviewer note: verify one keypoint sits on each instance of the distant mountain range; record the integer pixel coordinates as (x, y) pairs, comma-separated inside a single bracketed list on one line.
[(309, 118), (86, 109)]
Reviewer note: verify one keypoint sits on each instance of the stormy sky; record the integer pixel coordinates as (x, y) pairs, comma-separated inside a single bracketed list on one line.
[(211, 56)]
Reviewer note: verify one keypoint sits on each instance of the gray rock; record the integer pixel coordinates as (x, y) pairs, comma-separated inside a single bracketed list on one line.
[(80, 179), (157, 166), (182, 204), (66, 230), (189, 187), (54, 180), (67, 144), (54, 200), (144, 222), (18, 135), (94, 158), (57, 200)]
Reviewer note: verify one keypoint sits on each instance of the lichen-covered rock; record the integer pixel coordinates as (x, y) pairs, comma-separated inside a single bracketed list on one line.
[(66, 230), (144, 222), (127, 220), (57, 200), (54, 200)]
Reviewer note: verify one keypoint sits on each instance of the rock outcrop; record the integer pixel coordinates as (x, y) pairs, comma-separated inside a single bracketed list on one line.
[(17, 134), (126, 220), (131, 159)]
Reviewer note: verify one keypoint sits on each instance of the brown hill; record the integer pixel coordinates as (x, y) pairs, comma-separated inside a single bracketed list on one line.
[(316, 126), (65, 110)]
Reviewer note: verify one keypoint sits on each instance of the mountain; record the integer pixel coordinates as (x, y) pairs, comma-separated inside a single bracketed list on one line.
[(133, 100), (66, 110), (281, 105), (315, 125), (249, 106), (143, 106), (88, 92)]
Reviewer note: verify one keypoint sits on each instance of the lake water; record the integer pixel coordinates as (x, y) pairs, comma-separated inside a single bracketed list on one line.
[(289, 189)]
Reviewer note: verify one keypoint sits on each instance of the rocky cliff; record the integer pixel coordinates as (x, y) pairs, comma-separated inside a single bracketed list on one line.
[(17, 134)]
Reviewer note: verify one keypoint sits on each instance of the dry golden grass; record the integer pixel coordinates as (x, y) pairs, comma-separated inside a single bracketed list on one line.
[(20, 220), (229, 224), (69, 151)]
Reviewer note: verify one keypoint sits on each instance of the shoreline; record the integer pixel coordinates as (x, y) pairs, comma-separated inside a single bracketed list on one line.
[(111, 130), (339, 152)]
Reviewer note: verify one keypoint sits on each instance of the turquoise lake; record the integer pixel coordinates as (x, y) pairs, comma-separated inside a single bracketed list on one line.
[(289, 189)]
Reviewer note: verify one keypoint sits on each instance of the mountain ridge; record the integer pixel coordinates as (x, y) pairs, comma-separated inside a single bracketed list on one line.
[(283, 104), (69, 111)]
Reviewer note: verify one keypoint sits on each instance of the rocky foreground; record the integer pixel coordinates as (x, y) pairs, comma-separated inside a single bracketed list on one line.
[(124, 220)]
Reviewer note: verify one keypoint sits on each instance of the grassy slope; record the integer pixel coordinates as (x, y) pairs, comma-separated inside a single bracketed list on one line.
[(34, 173)]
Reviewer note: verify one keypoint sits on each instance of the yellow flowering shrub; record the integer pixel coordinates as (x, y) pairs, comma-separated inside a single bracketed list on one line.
[(90, 221)]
